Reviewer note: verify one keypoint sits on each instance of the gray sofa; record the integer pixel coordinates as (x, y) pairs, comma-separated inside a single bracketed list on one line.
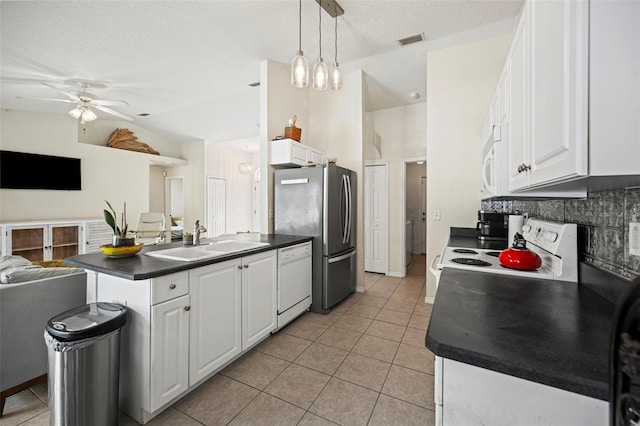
[(25, 307)]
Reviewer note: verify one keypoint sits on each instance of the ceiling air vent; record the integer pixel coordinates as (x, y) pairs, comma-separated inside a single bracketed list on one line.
[(411, 39)]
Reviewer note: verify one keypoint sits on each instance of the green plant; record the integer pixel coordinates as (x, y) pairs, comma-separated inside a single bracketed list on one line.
[(111, 218)]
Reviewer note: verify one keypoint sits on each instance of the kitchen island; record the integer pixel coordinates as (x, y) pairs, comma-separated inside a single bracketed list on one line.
[(516, 350), (189, 319)]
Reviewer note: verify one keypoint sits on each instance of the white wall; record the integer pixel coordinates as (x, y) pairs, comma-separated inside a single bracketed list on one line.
[(279, 101), (403, 136), (460, 83), (107, 174)]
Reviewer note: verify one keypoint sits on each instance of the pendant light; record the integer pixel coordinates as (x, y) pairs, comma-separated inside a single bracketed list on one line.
[(320, 70), (299, 64), (336, 74)]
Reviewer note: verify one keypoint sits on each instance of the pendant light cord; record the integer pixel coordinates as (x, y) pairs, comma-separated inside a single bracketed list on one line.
[(299, 25), (320, 27), (335, 58)]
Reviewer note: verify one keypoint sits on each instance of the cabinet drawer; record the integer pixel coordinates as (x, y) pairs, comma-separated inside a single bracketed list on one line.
[(169, 286)]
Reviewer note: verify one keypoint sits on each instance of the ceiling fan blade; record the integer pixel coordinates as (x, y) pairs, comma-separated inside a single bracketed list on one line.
[(113, 112), (69, 95), (47, 99), (104, 102)]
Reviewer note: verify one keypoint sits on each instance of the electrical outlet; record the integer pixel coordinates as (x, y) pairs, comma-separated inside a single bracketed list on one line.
[(270, 213), (634, 238)]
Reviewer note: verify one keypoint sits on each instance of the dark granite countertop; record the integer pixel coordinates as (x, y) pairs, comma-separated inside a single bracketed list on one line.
[(551, 332), (141, 267)]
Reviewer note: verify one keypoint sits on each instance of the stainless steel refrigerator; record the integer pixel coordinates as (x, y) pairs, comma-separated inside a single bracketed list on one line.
[(321, 202)]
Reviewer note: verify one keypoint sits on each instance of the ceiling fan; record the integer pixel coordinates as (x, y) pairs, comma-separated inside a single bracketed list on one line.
[(85, 100)]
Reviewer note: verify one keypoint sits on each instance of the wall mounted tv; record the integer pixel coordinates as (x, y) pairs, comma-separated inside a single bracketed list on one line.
[(21, 170)]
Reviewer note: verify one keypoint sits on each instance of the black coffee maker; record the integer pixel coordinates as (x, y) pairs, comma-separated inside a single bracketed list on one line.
[(492, 226)]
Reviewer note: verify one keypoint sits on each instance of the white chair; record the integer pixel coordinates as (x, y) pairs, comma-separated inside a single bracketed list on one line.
[(150, 228)]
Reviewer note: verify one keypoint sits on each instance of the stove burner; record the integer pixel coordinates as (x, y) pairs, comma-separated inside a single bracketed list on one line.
[(493, 253), (469, 261), (464, 251)]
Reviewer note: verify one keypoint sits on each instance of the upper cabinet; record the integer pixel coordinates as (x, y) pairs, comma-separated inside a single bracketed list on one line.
[(570, 94), (549, 69), (290, 153)]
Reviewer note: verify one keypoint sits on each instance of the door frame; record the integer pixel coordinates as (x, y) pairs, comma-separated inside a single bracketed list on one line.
[(386, 230), (167, 204), (404, 207)]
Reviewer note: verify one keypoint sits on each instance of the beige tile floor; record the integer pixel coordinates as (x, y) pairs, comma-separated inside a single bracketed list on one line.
[(363, 364)]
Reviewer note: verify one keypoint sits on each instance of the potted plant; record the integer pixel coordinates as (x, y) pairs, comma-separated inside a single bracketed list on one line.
[(119, 232)]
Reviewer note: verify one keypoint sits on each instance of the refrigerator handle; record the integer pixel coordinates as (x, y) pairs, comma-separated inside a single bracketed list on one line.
[(343, 208), (349, 209)]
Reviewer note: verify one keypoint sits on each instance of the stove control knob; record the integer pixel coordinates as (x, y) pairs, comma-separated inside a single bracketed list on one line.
[(526, 228), (552, 237)]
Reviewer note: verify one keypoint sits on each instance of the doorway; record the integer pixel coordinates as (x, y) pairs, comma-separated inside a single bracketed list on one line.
[(376, 217), (415, 208), (174, 206), (216, 206)]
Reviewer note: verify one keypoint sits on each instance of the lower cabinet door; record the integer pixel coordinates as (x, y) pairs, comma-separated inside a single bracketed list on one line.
[(169, 350), (215, 331), (259, 287)]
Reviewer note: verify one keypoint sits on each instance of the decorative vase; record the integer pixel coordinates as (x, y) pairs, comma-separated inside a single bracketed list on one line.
[(123, 241)]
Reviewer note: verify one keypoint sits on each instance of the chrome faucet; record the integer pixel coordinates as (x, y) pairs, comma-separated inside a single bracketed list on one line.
[(197, 229)]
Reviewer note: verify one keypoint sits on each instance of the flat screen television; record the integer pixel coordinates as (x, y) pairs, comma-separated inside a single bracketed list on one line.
[(21, 170)]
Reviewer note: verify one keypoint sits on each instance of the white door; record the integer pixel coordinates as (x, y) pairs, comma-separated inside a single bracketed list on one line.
[(259, 288), (216, 206), (215, 330), (169, 350), (423, 215), (376, 201)]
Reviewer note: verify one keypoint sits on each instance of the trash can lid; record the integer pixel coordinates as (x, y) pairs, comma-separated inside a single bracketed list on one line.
[(83, 322)]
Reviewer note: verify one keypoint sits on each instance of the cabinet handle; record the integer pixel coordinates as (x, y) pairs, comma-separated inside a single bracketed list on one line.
[(523, 168), (187, 308), (246, 266), (172, 286), (239, 266)]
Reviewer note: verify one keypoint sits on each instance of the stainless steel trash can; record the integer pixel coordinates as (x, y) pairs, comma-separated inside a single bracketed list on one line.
[(84, 364)]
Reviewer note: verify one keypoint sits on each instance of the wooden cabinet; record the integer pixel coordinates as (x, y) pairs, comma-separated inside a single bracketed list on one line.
[(43, 241), (215, 334), (259, 292), (287, 152)]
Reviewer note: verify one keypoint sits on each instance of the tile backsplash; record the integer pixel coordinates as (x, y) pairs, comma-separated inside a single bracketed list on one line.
[(603, 225)]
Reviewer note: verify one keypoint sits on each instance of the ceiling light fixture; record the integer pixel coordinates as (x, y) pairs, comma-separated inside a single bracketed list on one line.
[(320, 70), (299, 64), (83, 113), (336, 74)]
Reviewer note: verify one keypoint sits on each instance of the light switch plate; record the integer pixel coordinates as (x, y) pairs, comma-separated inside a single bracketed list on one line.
[(436, 215), (634, 238)]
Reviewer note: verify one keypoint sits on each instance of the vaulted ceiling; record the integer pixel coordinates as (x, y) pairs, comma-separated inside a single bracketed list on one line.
[(188, 64)]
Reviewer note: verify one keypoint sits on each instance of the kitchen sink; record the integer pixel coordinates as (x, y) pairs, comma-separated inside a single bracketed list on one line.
[(185, 254), (230, 246), (206, 251)]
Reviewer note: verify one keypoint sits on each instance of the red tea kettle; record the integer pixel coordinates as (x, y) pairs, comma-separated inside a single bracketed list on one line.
[(518, 256)]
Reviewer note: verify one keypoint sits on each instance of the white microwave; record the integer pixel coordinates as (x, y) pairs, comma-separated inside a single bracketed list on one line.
[(494, 164)]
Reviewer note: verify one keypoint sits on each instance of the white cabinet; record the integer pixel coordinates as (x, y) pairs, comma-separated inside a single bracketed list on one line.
[(259, 290), (43, 241), (184, 327), (215, 335), (466, 395), (170, 350), (574, 93), (288, 152)]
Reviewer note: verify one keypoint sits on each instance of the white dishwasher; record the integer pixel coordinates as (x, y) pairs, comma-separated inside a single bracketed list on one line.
[(294, 282)]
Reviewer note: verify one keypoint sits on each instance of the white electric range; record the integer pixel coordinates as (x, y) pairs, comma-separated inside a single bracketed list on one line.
[(555, 243)]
